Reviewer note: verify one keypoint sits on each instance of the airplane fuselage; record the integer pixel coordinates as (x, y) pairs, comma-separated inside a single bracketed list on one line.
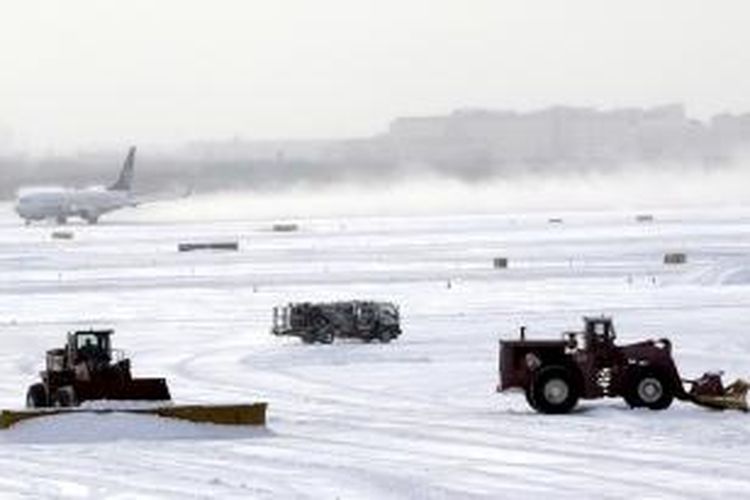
[(88, 204)]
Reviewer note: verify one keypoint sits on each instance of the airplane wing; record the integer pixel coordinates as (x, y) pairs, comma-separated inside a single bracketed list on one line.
[(147, 199)]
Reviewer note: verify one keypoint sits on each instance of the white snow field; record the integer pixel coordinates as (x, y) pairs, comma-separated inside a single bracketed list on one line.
[(417, 418)]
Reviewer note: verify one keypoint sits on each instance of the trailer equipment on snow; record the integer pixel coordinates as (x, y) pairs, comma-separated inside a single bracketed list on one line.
[(555, 374), (322, 322)]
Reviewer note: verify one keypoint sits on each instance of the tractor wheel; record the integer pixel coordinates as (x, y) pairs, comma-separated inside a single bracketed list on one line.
[(386, 335), (320, 330), (529, 393), (36, 397), (554, 390), (648, 388), (326, 337), (66, 397)]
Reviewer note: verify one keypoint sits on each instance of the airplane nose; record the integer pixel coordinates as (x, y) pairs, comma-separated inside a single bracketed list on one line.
[(19, 209)]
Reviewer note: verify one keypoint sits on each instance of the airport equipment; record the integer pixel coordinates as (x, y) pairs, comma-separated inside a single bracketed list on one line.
[(500, 262), (555, 374), (323, 322), (62, 235), (216, 245), (88, 369), (284, 227), (675, 258)]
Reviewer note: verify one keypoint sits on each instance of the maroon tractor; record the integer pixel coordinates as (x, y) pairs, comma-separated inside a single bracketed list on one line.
[(86, 369), (555, 374)]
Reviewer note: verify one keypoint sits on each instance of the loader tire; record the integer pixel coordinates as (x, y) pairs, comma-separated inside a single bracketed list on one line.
[(326, 337), (648, 388), (529, 393), (66, 397), (36, 397), (554, 390)]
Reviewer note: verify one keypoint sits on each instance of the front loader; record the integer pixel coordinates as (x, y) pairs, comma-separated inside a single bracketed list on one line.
[(88, 369), (555, 374)]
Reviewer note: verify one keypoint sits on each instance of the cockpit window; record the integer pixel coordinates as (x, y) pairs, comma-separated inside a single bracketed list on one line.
[(87, 340)]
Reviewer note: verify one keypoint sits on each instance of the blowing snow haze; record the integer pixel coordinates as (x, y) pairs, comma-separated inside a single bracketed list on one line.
[(268, 96), (467, 145)]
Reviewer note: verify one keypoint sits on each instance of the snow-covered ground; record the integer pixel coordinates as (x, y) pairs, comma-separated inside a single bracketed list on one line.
[(417, 418)]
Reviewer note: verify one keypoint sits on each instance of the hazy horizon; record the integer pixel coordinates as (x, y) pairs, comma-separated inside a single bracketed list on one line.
[(632, 190), (103, 74)]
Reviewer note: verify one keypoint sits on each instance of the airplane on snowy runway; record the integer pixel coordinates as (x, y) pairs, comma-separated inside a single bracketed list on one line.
[(88, 204)]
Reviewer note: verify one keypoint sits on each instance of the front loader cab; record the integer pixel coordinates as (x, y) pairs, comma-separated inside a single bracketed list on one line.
[(90, 346), (599, 332)]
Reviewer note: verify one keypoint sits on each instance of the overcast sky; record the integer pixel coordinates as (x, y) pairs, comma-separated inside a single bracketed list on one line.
[(80, 73)]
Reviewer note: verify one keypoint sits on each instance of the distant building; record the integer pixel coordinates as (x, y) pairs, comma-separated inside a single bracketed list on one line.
[(562, 135)]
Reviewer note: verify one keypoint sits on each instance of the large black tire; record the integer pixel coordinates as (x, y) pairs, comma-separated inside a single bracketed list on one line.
[(66, 397), (649, 388), (554, 390), (529, 393), (323, 330), (386, 335), (326, 337), (36, 397)]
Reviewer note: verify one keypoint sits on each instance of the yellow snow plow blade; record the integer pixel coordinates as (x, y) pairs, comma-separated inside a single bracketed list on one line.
[(249, 414), (242, 414), (733, 398)]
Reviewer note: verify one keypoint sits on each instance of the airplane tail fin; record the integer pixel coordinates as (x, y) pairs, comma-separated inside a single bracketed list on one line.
[(125, 180)]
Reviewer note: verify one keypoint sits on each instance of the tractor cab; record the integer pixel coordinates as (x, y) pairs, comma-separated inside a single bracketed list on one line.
[(90, 346), (599, 332), (588, 364)]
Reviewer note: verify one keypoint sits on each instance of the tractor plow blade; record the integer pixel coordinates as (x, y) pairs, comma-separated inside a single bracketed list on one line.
[(708, 391), (242, 414), (247, 414), (722, 402)]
